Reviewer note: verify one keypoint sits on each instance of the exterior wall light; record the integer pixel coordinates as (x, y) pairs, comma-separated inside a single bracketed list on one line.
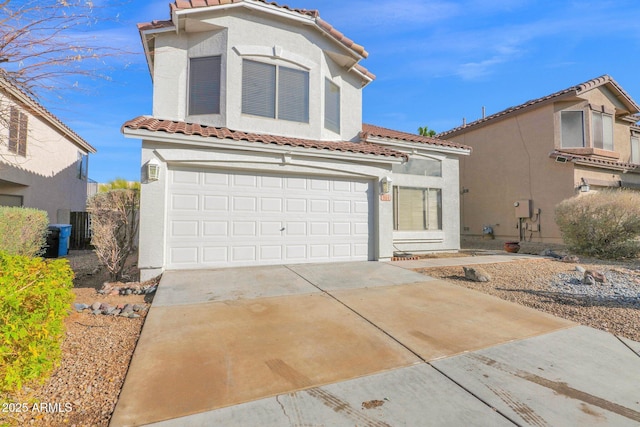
[(584, 186), (152, 170), (386, 184)]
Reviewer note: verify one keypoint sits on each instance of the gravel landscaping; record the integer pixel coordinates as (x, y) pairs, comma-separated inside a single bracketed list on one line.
[(557, 288)]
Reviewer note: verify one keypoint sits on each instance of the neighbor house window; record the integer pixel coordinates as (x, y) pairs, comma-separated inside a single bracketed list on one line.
[(602, 130), (83, 166), (331, 106), (204, 85), (275, 91), (635, 149), (17, 132), (572, 129), (421, 167), (10, 200), (417, 209)]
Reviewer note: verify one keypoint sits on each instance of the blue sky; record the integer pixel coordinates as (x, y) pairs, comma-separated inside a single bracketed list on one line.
[(436, 62)]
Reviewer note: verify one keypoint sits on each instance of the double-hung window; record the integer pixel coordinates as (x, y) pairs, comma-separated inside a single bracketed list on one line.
[(417, 209), (635, 149), (572, 124), (275, 91), (204, 85), (17, 132), (602, 130), (331, 106)]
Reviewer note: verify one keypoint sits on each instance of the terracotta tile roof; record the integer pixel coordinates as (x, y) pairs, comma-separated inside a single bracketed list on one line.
[(322, 25), (8, 86), (377, 131), (173, 127), (572, 91), (595, 161)]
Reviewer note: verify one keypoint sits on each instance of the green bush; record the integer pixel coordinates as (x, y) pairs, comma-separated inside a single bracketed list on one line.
[(23, 231), (35, 295), (605, 224)]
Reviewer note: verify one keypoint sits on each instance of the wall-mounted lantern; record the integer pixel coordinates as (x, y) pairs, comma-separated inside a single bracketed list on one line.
[(584, 186), (152, 170), (386, 184)]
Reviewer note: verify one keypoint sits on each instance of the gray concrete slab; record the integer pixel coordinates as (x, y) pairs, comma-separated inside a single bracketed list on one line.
[(579, 376), (355, 275), (633, 345), (465, 260), (180, 287), (414, 396)]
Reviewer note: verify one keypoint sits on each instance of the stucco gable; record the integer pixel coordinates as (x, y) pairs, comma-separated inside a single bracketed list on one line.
[(605, 82)]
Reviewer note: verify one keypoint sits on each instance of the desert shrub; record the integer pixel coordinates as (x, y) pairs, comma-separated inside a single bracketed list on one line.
[(114, 226), (605, 224), (23, 231), (34, 300)]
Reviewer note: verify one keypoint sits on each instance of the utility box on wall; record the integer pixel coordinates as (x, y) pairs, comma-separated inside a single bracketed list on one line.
[(523, 208)]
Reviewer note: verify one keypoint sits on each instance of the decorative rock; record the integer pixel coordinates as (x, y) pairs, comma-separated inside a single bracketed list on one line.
[(134, 316), (96, 312), (128, 308), (116, 312), (79, 307), (588, 280), (597, 276), (572, 259), (476, 274), (580, 269), (96, 306), (150, 290), (550, 253), (138, 307)]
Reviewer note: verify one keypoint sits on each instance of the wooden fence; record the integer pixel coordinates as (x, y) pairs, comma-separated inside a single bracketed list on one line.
[(80, 231)]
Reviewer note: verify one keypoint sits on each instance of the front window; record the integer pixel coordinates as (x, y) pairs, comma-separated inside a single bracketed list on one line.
[(602, 130), (417, 209), (204, 85), (635, 149), (572, 123), (331, 106), (275, 91), (17, 132)]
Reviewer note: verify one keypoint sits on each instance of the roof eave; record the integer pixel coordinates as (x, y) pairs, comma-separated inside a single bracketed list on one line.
[(393, 142)]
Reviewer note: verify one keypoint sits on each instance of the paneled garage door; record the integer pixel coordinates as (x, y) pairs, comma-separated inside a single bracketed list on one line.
[(222, 218)]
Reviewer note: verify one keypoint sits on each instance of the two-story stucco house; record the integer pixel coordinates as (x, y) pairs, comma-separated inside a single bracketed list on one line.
[(43, 163), (528, 158), (256, 153)]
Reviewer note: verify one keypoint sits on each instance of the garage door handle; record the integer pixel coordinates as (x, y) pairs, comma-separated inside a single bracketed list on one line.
[(282, 229)]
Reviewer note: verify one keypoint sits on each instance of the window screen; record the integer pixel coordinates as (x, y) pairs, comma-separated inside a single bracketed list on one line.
[(17, 132), (417, 209), (635, 149), (204, 85), (572, 129), (259, 89), (331, 106), (293, 95), (602, 130)]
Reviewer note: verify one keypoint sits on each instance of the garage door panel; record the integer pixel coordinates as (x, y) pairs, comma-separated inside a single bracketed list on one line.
[(223, 218)]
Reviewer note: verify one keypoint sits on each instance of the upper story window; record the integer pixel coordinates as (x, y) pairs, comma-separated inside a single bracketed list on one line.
[(572, 123), (275, 91), (602, 130), (421, 167), (204, 85), (18, 132), (83, 166), (331, 106), (635, 149)]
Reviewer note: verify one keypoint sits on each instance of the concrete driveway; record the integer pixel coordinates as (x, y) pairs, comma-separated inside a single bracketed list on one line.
[(366, 344)]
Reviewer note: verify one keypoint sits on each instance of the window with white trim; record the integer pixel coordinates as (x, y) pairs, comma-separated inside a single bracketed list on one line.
[(331, 106), (420, 167), (18, 132), (83, 166), (275, 91), (572, 124), (602, 130), (635, 149), (204, 85), (417, 209)]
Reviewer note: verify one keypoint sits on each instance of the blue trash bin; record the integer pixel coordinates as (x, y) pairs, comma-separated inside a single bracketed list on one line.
[(65, 232)]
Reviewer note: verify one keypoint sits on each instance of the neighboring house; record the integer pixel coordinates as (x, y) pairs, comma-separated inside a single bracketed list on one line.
[(298, 179), (528, 158), (43, 163)]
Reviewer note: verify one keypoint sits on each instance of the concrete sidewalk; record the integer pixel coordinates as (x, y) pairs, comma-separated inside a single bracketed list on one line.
[(365, 344)]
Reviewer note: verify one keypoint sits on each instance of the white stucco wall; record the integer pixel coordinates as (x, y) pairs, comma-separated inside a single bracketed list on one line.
[(244, 35), (47, 177)]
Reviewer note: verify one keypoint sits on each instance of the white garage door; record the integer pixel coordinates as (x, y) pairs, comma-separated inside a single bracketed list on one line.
[(222, 218)]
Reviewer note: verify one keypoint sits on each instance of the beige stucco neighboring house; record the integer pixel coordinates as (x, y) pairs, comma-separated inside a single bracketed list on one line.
[(256, 154), (43, 163), (528, 158)]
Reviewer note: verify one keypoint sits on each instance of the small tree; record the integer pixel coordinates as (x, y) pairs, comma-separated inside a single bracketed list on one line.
[(114, 225), (425, 131), (605, 224)]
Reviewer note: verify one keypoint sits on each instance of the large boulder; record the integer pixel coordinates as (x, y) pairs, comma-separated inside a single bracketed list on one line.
[(476, 274)]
